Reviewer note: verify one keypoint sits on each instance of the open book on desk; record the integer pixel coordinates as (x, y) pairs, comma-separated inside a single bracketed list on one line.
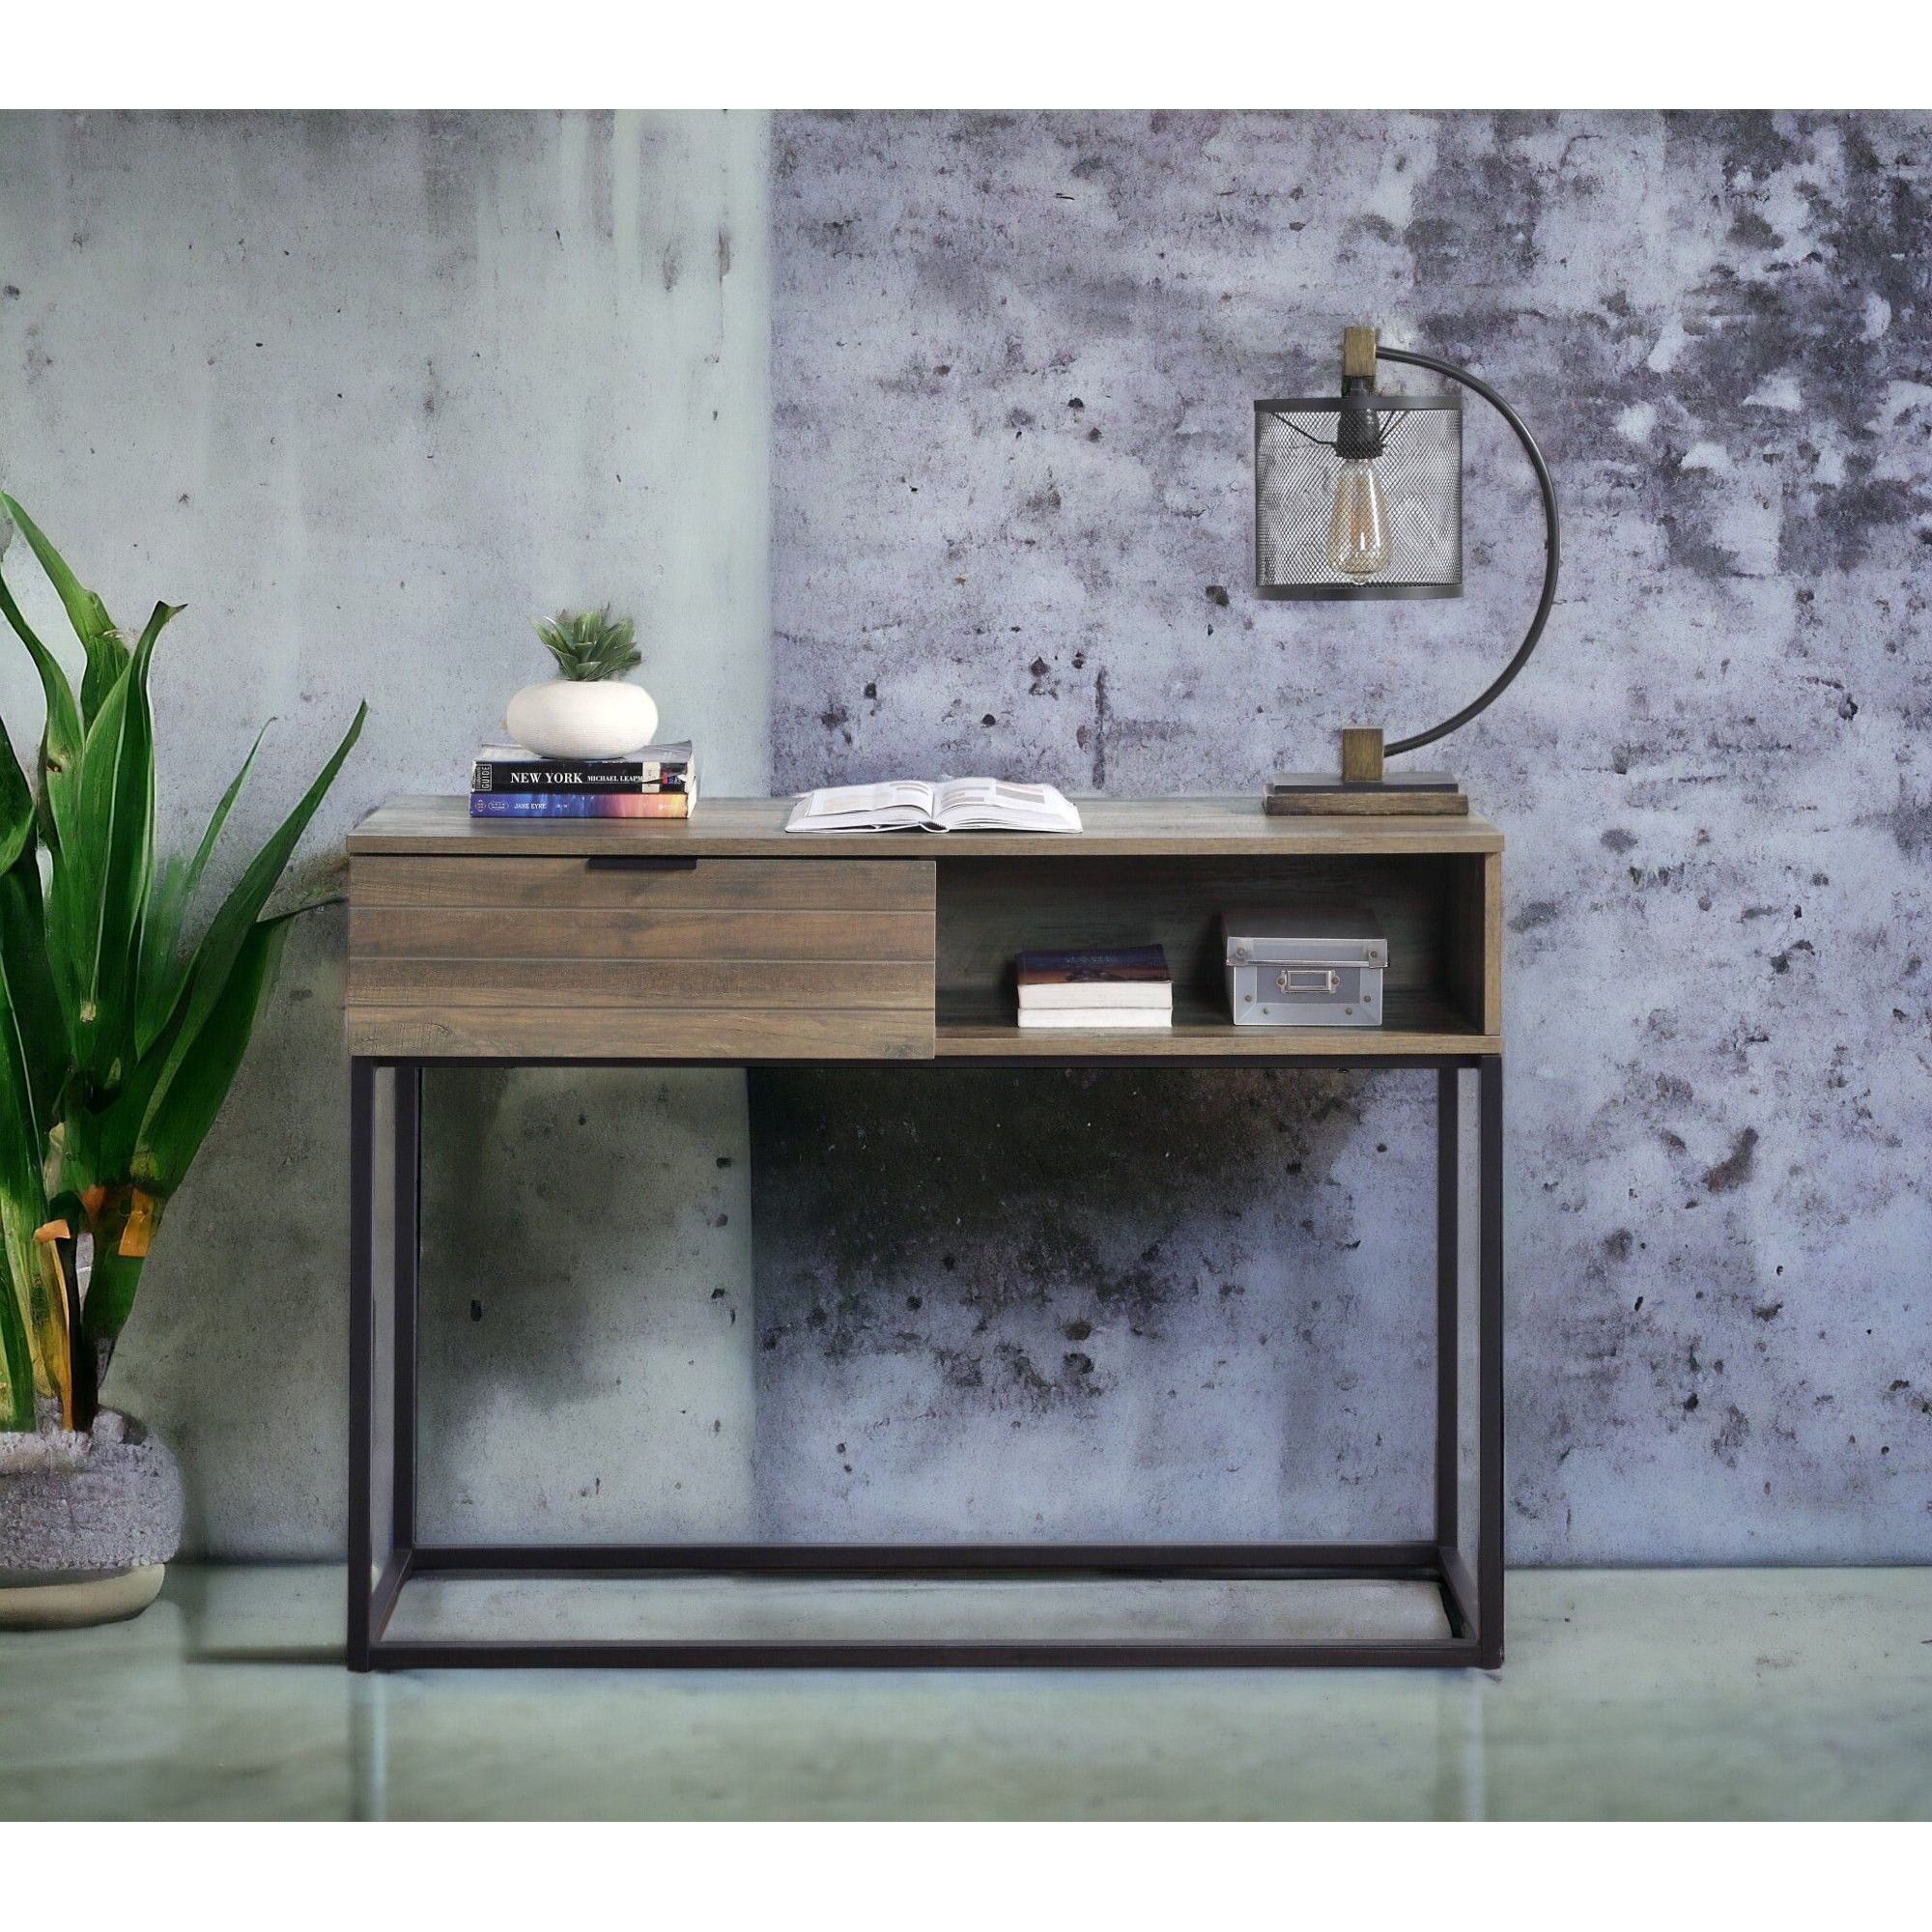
[(955, 804)]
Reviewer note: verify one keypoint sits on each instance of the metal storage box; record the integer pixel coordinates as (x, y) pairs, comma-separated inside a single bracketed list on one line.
[(1305, 965)]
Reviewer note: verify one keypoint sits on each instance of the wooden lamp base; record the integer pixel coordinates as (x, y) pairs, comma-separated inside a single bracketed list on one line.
[(1364, 787)]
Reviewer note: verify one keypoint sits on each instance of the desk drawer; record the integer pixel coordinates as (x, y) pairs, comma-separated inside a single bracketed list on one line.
[(640, 956)]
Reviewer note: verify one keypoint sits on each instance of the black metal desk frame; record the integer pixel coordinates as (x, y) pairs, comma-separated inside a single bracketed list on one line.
[(382, 1460)]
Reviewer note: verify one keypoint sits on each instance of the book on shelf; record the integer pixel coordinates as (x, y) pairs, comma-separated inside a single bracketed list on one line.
[(1100, 988), (951, 804), (510, 768), (1105, 976), (1095, 1019), (582, 804)]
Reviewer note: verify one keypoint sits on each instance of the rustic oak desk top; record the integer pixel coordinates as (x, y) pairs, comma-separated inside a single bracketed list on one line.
[(724, 937), (1128, 827)]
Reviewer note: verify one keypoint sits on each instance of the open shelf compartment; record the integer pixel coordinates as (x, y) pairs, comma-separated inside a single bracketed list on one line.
[(1439, 994)]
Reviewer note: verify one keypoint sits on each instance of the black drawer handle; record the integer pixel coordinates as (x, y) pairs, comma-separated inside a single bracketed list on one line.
[(640, 862)]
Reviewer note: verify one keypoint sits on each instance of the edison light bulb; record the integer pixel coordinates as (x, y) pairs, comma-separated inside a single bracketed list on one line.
[(1358, 541)]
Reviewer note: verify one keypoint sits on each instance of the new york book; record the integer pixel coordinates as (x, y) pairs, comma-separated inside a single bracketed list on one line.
[(1110, 978), (510, 768)]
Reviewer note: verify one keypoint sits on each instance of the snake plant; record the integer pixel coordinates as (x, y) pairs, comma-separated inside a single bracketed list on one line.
[(118, 1033)]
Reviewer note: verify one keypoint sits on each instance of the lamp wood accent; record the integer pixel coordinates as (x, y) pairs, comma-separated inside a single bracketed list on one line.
[(1361, 755), (1358, 356), (1312, 795)]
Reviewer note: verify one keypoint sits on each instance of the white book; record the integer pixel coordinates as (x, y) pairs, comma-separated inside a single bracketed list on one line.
[(1095, 1019), (1087, 999), (954, 805)]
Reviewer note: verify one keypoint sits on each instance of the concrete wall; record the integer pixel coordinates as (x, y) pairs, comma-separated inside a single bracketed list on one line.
[(1014, 362), (367, 393)]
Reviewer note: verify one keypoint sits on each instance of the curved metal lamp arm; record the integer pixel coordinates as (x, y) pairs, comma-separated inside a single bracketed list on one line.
[(1551, 546)]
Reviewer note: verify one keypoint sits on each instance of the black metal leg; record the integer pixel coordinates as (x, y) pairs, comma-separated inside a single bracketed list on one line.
[(1474, 1605), (1448, 1284), (407, 1170), (1490, 1352), (361, 1351), (1459, 1597)]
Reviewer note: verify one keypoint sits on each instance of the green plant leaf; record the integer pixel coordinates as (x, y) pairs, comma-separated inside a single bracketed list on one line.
[(98, 1142), (17, 1372), (16, 805), (164, 968), (34, 1011), (107, 656), (31, 1049), (181, 1113), (61, 741), (17, 1357), (101, 881), (60, 1274), (158, 619), (230, 931), (161, 971), (244, 904)]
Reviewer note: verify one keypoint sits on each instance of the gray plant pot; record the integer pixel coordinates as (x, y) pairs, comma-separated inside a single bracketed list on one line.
[(87, 1523)]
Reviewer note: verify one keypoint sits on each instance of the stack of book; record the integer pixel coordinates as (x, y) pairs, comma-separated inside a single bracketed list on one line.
[(1122, 986), (508, 781)]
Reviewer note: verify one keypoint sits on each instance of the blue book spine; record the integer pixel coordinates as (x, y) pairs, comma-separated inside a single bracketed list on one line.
[(531, 805)]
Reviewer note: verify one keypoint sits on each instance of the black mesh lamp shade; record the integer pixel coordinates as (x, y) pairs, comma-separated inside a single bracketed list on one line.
[(1358, 497), (1383, 522)]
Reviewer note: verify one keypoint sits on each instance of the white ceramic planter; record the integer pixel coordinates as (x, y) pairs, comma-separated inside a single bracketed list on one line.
[(567, 717)]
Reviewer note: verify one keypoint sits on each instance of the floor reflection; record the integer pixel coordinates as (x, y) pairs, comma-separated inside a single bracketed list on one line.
[(1735, 1693)]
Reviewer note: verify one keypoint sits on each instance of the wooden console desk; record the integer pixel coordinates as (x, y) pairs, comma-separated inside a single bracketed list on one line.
[(723, 941)]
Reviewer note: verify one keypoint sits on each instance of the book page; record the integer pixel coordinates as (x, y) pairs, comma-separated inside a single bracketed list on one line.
[(902, 802), (910, 794), (997, 802)]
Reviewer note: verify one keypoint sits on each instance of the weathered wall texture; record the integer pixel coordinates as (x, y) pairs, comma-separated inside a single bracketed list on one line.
[(367, 392), (1012, 368)]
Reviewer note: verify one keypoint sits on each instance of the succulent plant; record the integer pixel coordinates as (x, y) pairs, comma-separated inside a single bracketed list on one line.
[(589, 646)]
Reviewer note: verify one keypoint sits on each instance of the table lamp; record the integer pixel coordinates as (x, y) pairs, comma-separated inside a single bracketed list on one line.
[(1359, 495)]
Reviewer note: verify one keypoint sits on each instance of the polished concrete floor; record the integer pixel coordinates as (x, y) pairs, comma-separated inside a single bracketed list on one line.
[(1628, 1695)]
